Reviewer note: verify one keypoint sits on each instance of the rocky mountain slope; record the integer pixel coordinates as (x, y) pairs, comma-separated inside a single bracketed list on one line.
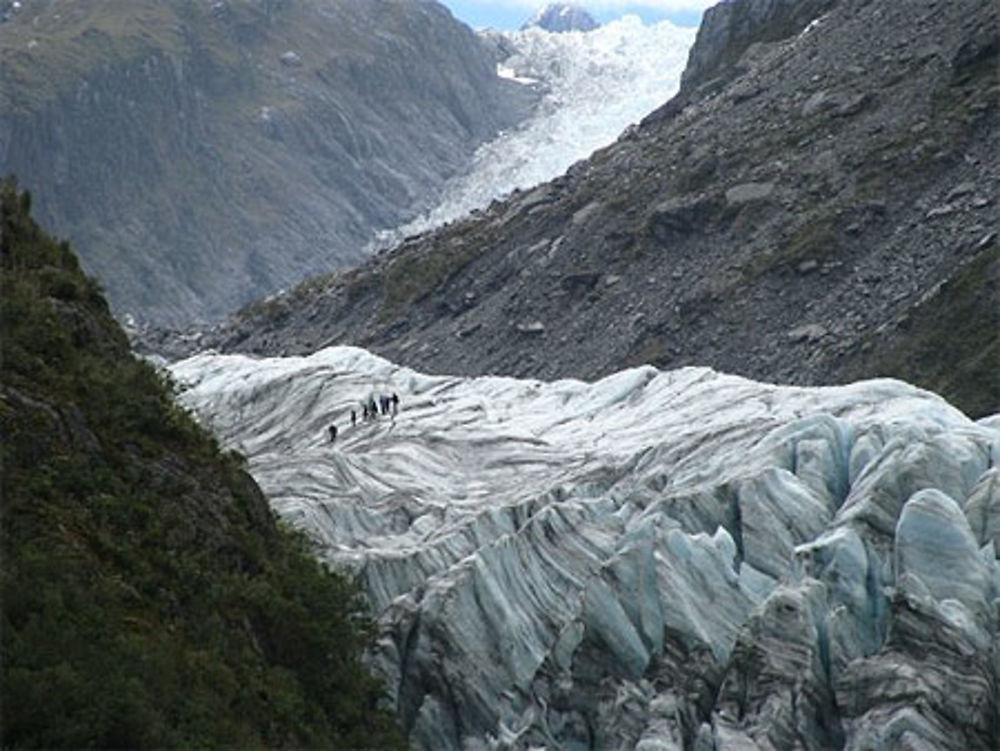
[(204, 154), (561, 17), (656, 561), (150, 600), (823, 208)]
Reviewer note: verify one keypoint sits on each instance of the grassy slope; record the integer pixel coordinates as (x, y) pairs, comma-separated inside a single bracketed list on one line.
[(149, 598), (949, 343)]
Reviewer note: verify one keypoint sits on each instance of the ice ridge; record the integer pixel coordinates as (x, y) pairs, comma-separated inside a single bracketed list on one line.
[(652, 561)]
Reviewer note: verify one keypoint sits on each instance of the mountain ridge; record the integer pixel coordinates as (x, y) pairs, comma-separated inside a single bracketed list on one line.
[(561, 17), (204, 154), (759, 228)]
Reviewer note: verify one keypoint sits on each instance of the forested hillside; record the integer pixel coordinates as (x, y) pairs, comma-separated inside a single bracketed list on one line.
[(150, 598)]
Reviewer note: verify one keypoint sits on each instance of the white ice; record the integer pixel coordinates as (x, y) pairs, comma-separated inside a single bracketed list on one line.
[(596, 84), (521, 538)]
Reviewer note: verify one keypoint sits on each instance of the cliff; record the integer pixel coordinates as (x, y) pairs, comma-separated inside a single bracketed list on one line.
[(204, 154)]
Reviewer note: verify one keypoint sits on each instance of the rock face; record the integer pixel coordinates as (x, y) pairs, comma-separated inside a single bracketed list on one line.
[(658, 560), (561, 17), (731, 217), (728, 29), (204, 154)]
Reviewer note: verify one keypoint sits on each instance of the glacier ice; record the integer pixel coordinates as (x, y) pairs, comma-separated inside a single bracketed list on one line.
[(595, 85), (658, 560)]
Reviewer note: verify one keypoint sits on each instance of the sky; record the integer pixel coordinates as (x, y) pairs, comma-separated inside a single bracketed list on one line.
[(510, 14)]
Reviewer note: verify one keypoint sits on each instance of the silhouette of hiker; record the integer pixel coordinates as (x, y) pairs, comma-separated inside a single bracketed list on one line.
[(333, 433), (365, 407), (395, 403), (354, 418), (372, 409)]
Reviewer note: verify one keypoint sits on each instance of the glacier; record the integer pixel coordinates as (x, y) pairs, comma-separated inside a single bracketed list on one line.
[(654, 561), (595, 84)]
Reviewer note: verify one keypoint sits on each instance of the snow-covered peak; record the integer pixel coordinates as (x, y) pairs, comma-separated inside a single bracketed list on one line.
[(561, 17), (573, 564)]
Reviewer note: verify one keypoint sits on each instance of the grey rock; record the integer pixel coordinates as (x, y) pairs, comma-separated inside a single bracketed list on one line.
[(728, 29), (194, 177), (749, 192), (560, 18), (939, 211), (590, 210), (581, 281), (807, 266), (809, 332), (681, 215), (534, 328), (962, 189), (854, 105), (817, 102)]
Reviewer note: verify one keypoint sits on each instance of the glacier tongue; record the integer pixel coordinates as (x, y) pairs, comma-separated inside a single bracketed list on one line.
[(594, 85), (651, 561)]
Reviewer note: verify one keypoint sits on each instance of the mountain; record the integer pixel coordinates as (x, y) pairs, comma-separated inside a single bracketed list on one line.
[(729, 29), (202, 154), (561, 17), (825, 211), (150, 599), (658, 560), (591, 87)]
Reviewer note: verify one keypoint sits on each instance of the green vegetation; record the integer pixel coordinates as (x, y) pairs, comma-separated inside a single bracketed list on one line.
[(651, 350), (45, 55), (411, 277), (815, 239), (950, 344), (149, 597), (956, 112)]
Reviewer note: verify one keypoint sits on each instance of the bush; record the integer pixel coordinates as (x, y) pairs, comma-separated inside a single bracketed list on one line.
[(150, 600)]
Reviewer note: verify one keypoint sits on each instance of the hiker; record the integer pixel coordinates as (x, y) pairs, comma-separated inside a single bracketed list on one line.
[(333, 433), (385, 404), (395, 404), (372, 409), (354, 418), (365, 416)]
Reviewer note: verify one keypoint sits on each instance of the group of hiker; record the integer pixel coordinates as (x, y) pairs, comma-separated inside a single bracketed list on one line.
[(387, 405)]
